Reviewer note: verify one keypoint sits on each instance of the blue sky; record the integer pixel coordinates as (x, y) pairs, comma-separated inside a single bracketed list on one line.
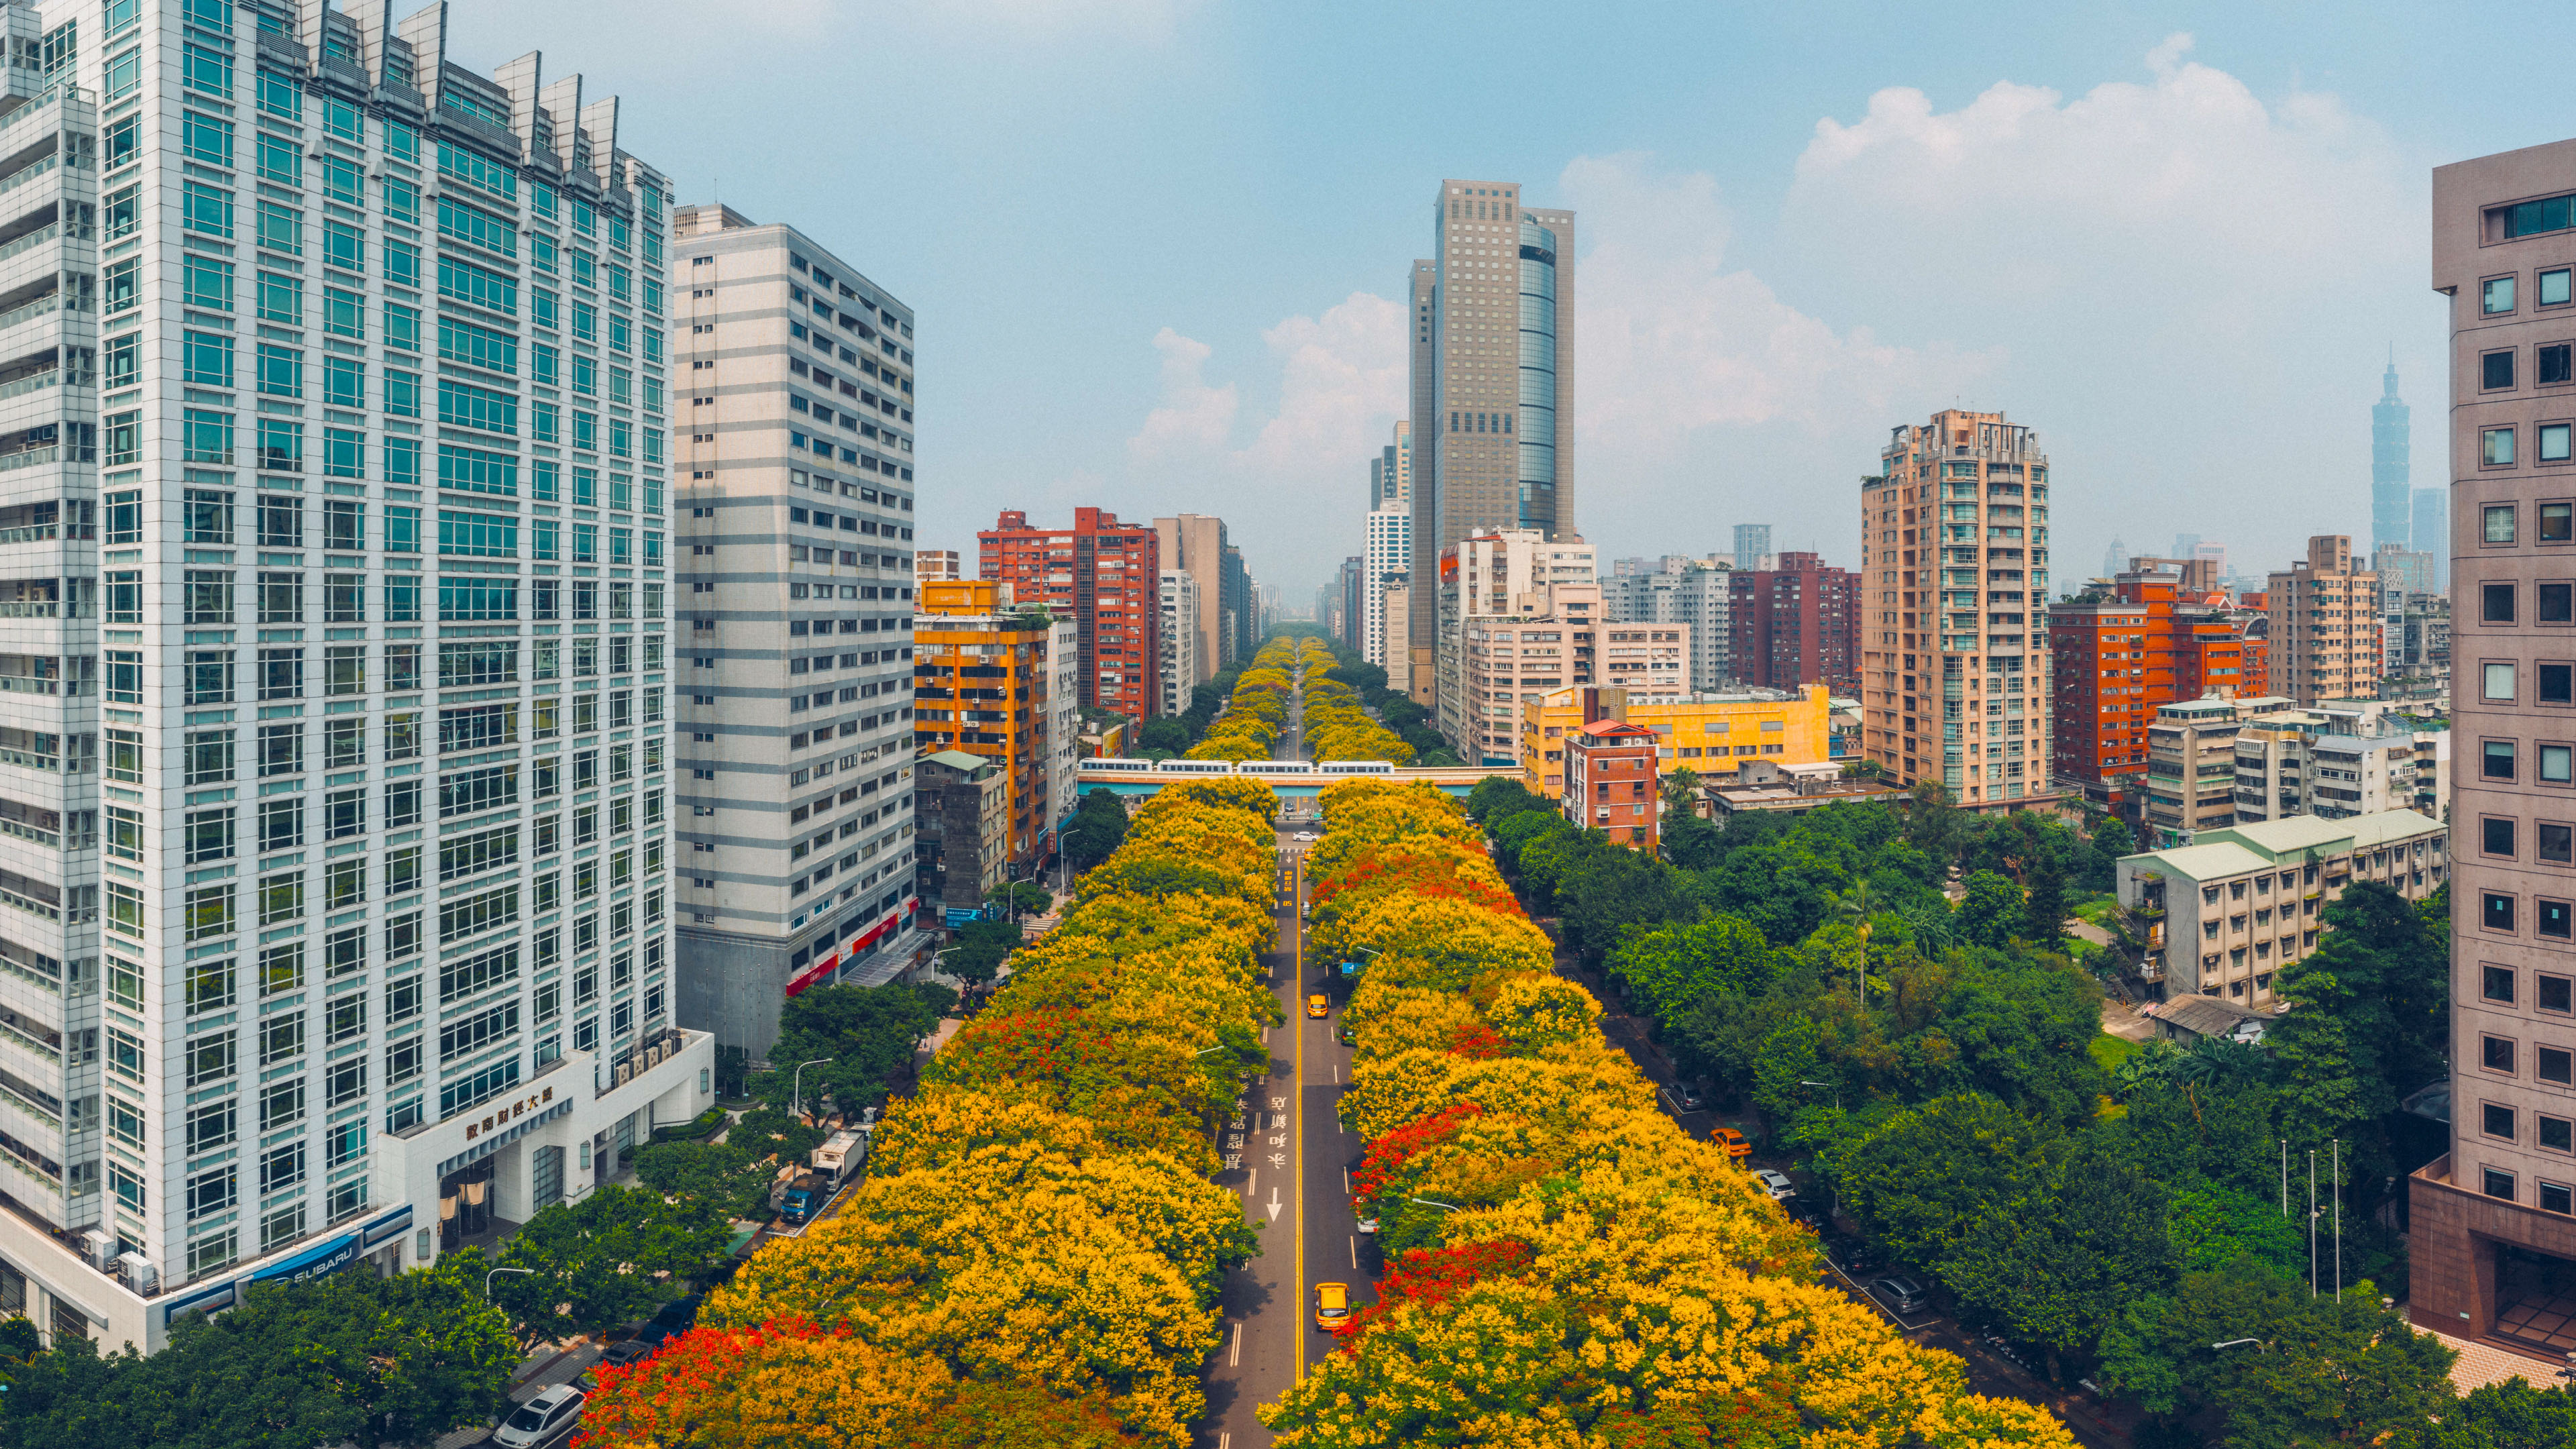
[(1155, 245)]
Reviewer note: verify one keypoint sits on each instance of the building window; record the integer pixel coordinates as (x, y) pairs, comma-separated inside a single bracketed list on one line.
[(2496, 1182), (2497, 911), (2555, 993), (2554, 1064), (2496, 984), (2495, 1053), (2495, 836), (2498, 682), (2551, 918), (2551, 288), (2495, 603), (2557, 1134), (2496, 295), (2557, 522), (2496, 447), (2554, 441), (2496, 371), (2497, 763), (2498, 517), (2496, 1120), (2554, 1197)]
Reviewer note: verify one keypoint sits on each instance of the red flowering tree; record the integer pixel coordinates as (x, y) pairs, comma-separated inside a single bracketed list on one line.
[(1435, 1276)]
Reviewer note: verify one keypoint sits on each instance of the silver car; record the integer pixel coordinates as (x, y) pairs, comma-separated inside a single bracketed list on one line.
[(1775, 1184), (551, 1415)]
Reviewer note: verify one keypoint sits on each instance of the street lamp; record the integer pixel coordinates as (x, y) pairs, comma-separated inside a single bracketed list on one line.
[(2240, 1343), (1434, 1202), (796, 1096), (1830, 1087), (488, 1277)]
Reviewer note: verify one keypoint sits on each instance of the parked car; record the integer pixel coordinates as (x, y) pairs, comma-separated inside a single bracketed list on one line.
[(1853, 1255), (551, 1415), (1737, 1149), (1776, 1184), (1901, 1295), (1305, 835), (1367, 1224), (619, 1355), (1332, 1305), (1687, 1097)]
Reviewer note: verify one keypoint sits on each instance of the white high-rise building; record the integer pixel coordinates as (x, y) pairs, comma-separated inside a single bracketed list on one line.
[(795, 645), (1180, 639), (1696, 594), (337, 640), (1389, 558)]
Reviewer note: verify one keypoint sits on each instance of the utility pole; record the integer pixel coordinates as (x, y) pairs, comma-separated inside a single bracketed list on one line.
[(2285, 1179), (2336, 1183), (2312, 1222)]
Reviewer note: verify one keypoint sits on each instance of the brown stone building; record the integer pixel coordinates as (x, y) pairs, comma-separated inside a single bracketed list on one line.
[(2493, 1221), (1796, 624), (2324, 625)]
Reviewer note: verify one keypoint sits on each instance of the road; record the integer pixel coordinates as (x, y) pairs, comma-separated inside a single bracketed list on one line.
[(1290, 1158)]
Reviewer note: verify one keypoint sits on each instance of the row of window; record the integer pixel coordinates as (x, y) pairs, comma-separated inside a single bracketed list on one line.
[(2501, 912)]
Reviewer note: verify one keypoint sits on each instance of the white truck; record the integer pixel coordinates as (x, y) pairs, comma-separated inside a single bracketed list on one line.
[(839, 1156)]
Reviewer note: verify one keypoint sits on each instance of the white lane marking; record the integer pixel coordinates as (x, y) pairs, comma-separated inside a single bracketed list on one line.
[(1355, 1255), (1346, 1177), (1251, 1191), (1337, 1074), (1237, 1356)]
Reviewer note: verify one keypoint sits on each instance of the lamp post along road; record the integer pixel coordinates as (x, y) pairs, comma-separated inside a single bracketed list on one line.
[(488, 1277), (796, 1094)]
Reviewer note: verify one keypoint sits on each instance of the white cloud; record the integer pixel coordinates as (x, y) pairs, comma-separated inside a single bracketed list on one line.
[(1702, 398), (1294, 488), (2196, 284)]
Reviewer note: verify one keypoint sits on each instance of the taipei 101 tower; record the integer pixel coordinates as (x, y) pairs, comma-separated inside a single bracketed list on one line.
[(2391, 499)]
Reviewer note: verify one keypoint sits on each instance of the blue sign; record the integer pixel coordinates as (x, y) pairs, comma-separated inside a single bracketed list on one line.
[(1350, 968)]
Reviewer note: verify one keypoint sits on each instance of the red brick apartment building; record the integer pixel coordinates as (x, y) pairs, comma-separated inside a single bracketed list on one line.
[(1104, 575)]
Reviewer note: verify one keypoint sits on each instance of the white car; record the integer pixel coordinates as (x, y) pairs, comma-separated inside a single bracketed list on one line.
[(551, 1415), (1775, 1184), (1304, 835)]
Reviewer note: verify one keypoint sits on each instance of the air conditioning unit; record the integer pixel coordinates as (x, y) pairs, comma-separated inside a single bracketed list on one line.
[(625, 1073), (97, 1248), (138, 1272)]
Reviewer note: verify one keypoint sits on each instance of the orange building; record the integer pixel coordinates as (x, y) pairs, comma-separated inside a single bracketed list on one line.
[(2122, 658), (979, 671), (1610, 782), (1104, 575)]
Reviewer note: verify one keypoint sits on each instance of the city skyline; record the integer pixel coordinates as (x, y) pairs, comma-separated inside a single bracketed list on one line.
[(1732, 211)]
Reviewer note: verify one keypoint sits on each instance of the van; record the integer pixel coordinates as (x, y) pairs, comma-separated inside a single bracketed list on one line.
[(839, 1156)]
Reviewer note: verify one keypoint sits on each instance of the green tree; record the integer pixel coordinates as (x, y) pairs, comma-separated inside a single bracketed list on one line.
[(1606, 889), (719, 1173), (861, 1037), (1936, 1175), (2058, 1268), (1681, 791), (2043, 919), (1935, 825), (1024, 897), (610, 1258), (1096, 830), (1167, 733), (2369, 1021), (2321, 1371), (2509, 1415), (345, 1359), (1992, 911)]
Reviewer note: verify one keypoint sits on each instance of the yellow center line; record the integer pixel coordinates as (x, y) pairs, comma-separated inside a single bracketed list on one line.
[(1296, 1118)]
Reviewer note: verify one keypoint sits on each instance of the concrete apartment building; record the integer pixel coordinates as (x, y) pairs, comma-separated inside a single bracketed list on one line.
[(1954, 565), (796, 645), (1001, 680), (1196, 544), (2494, 1221), (2190, 781), (1689, 593), (1388, 556), (963, 805), (1179, 641), (929, 564), (229, 769), (1511, 598), (1107, 577), (1794, 622), (1610, 782), (2324, 625), (2242, 902), (2125, 650), (2338, 761), (1713, 735), (1492, 363)]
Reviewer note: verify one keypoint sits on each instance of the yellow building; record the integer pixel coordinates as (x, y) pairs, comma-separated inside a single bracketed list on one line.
[(979, 686), (1707, 733)]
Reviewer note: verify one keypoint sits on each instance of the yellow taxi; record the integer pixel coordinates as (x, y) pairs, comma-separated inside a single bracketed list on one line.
[(1332, 1305), (1318, 1007), (1737, 1149)]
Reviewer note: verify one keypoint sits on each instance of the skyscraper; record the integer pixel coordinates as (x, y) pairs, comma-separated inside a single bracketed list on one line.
[(1389, 551), (2494, 1221), (796, 793), (336, 929), (1752, 545), (1955, 663), (1493, 377), (2392, 502), (1195, 544)]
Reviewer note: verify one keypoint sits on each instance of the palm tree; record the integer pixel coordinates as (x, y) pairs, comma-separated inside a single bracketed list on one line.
[(1857, 905)]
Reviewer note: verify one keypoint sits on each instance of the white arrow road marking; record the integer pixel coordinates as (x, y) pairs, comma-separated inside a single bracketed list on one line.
[(1274, 1202)]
